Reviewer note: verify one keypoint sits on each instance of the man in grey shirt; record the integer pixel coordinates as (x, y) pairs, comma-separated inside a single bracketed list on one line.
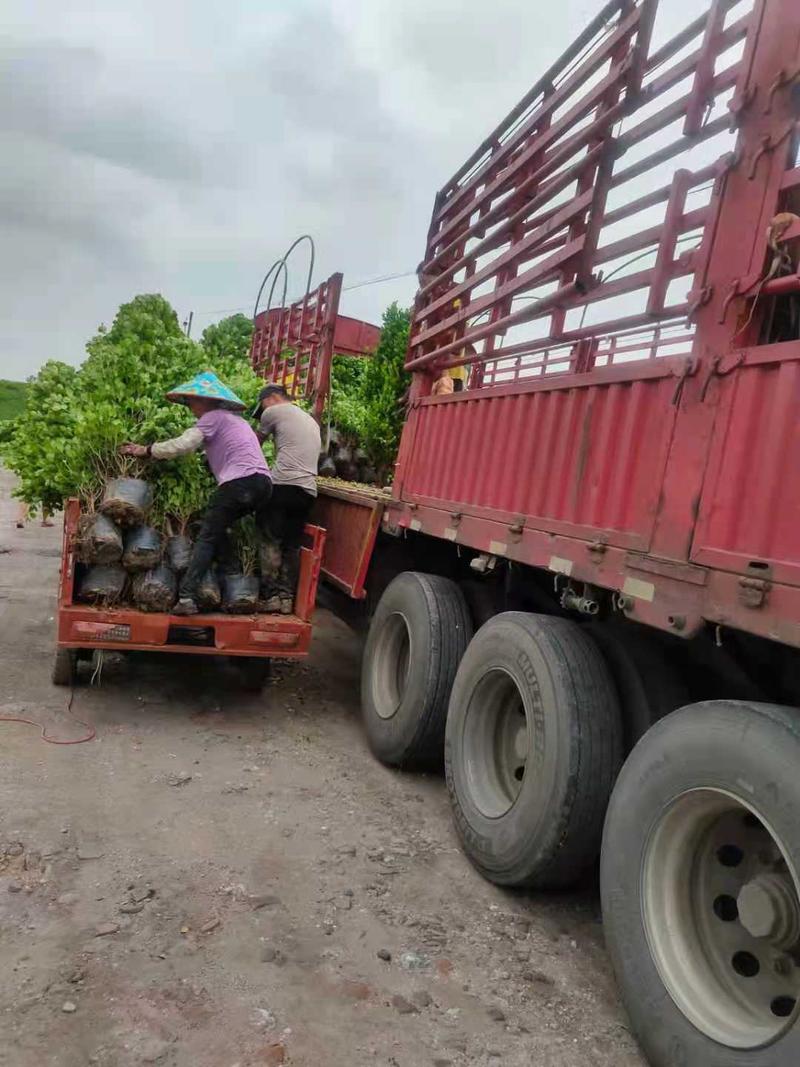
[(294, 480)]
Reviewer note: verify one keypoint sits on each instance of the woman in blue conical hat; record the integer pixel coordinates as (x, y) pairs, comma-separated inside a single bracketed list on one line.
[(234, 455)]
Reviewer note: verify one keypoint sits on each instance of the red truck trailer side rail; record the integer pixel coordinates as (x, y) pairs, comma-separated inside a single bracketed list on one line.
[(126, 629), (603, 437), (293, 346)]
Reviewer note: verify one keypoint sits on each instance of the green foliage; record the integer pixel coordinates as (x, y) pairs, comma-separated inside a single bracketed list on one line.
[(13, 396), (366, 394), (228, 339), (246, 544), (67, 441), (385, 382), (346, 408), (38, 448), (376, 410)]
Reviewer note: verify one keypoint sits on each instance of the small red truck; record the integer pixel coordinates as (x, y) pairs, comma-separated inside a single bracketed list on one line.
[(583, 589), (311, 327), (250, 640)]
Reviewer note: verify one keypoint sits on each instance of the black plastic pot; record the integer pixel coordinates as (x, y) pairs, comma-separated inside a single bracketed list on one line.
[(155, 590), (127, 501), (326, 467), (102, 584), (240, 595), (99, 540), (179, 552), (142, 549)]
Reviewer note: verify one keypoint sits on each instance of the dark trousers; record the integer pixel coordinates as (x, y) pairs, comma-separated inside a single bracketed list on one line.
[(287, 515), (231, 501)]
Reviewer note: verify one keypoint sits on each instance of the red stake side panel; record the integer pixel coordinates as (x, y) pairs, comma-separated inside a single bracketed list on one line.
[(590, 466), (124, 628), (601, 267), (354, 337), (352, 521), (294, 346)]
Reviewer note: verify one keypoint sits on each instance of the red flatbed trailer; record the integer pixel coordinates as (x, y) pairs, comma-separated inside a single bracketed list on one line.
[(585, 583)]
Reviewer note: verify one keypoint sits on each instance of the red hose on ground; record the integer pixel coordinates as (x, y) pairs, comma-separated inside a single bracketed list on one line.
[(90, 735)]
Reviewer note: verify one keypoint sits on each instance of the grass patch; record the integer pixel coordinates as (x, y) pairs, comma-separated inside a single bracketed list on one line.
[(13, 396)]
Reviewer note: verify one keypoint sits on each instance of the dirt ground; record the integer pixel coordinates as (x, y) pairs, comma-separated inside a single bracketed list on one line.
[(228, 880)]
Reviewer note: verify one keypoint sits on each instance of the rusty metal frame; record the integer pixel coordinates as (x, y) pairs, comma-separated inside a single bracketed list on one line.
[(293, 346)]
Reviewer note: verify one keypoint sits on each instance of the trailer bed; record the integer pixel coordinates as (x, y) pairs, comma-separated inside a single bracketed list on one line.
[(85, 626)]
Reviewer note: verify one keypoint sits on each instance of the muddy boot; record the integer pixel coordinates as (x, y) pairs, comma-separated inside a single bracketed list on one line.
[(186, 606)]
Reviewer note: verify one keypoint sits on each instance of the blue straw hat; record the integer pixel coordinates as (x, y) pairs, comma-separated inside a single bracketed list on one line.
[(209, 386)]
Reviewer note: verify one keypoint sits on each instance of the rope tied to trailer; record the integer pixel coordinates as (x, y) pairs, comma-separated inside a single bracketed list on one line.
[(90, 734)]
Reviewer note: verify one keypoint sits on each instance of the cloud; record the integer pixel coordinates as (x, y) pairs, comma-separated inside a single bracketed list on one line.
[(181, 147)]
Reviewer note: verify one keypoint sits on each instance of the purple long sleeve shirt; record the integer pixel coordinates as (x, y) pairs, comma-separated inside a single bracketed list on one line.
[(232, 448)]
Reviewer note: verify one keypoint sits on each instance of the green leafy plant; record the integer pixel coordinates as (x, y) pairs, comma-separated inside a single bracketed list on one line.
[(365, 402), (246, 540), (384, 383), (228, 340), (346, 405), (13, 396), (66, 443)]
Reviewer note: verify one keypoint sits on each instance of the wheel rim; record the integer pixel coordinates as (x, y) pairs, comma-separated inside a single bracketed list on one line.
[(392, 661), (721, 910), (496, 742)]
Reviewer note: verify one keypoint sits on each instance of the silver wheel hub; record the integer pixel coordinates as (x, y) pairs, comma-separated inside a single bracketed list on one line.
[(768, 908), (721, 910), (521, 743), (496, 743), (392, 662)]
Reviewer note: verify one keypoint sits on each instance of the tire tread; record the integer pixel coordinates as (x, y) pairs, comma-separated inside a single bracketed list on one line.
[(571, 843), (449, 629)]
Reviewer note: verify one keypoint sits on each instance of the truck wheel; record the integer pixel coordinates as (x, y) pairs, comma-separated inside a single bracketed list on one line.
[(65, 666), (253, 672), (648, 684), (533, 745), (699, 880), (417, 636)]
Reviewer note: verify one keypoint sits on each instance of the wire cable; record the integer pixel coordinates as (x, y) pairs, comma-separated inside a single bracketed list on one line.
[(90, 734)]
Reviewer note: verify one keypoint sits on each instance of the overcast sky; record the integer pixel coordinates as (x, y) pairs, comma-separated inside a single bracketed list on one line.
[(179, 147)]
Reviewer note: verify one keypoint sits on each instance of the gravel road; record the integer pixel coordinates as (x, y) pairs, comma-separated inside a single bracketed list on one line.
[(225, 880)]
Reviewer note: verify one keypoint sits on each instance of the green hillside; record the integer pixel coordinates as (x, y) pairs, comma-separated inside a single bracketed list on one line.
[(12, 398)]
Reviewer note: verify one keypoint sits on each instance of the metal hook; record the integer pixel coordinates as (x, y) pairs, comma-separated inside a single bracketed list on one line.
[(292, 246), (275, 266)]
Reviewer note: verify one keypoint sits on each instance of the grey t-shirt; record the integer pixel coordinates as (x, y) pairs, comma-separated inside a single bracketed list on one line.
[(298, 443)]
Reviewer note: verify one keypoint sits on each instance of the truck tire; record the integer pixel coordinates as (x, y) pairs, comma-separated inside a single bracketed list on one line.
[(700, 889), (253, 672), (533, 745), (65, 667), (417, 636), (648, 683)]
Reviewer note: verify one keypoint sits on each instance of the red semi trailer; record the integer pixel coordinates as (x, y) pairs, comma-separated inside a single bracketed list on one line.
[(585, 585)]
